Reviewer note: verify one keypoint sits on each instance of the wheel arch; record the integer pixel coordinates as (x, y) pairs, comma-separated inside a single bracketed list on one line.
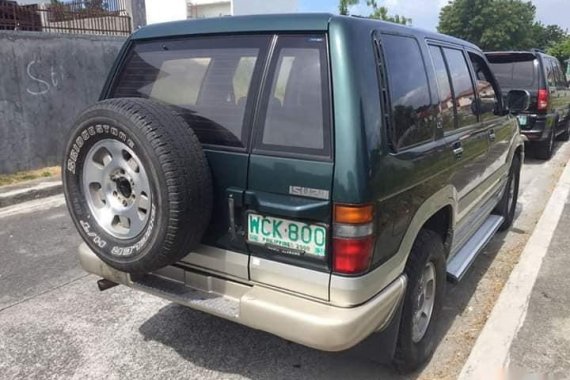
[(441, 223)]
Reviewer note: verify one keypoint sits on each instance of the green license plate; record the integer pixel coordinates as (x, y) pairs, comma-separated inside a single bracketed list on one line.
[(522, 120), (293, 237)]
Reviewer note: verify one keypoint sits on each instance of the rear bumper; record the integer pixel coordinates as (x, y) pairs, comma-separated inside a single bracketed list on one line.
[(300, 320), (538, 128)]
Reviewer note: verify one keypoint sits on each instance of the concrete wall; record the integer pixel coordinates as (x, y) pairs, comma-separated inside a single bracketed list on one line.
[(137, 10), (45, 81)]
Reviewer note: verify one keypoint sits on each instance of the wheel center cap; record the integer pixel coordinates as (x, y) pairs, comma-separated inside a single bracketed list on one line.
[(124, 187)]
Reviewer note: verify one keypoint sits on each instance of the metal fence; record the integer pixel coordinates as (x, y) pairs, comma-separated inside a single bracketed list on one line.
[(76, 16)]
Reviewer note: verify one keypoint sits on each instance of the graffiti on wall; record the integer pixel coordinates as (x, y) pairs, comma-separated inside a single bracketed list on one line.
[(43, 82)]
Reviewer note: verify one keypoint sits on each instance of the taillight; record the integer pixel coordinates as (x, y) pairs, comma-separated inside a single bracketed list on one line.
[(542, 104), (353, 238)]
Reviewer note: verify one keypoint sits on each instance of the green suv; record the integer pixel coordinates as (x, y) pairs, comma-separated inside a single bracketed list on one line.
[(548, 117), (314, 176)]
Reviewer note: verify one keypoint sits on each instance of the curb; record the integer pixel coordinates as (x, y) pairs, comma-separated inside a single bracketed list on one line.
[(36, 191), (490, 354)]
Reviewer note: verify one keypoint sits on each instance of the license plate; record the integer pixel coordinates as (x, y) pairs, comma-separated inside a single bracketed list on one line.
[(522, 120), (287, 235)]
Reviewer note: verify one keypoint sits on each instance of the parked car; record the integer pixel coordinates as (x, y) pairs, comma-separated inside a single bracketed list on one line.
[(314, 176), (548, 116)]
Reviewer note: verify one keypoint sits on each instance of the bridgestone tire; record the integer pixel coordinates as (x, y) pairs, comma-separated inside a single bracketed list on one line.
[(152, 140), (411, 355)]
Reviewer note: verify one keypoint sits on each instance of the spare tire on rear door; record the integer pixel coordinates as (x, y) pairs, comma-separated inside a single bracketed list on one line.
[(137, 184)]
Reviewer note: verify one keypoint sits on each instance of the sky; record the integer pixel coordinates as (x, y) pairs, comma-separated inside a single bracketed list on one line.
[(425, 13)]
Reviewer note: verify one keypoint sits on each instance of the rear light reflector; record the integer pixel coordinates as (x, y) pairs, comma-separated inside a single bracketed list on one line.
[(352, 231), (353, 238), (542, 104), (352, 256), (353, 214)]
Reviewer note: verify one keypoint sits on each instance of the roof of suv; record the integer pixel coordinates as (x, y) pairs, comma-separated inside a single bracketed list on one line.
[(238, 24), (274, 23)]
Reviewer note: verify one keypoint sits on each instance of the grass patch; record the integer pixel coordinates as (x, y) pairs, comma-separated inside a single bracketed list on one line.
[(9, 179)]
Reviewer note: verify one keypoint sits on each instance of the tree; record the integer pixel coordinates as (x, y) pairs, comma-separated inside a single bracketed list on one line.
[(561, 50), (344, 4), (490, 24), (546, 36), (381, 13)]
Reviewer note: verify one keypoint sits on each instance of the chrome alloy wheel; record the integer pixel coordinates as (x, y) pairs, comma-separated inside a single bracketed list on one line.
[(423, 308), (117, 189)]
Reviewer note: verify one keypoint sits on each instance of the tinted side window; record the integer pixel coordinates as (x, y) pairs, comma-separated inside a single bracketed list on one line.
[(409, 91), (207, 80), (550, 72), (446, 103), (298, 102), (463, 92), (488, 105), (560, 80)]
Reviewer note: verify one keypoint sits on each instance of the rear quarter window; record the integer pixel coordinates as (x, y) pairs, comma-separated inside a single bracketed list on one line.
[(409, 91)]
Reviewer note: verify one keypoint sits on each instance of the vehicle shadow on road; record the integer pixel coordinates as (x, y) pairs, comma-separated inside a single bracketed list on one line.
[(223, 346)]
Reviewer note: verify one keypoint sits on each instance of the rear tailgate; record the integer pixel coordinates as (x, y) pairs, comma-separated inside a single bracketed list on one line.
[(291, 170), (517, 71)]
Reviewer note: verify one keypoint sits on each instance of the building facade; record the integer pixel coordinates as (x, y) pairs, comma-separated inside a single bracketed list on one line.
[(219, 8), (196, 9)]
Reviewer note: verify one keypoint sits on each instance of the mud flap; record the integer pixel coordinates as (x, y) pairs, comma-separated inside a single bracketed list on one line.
[(380, 347)]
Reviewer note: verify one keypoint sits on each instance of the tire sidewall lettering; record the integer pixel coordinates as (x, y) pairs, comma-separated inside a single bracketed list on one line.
[(83, 136), (95, 236)]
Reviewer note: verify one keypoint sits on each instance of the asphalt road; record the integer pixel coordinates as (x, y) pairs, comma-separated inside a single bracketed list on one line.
[(54, 323)]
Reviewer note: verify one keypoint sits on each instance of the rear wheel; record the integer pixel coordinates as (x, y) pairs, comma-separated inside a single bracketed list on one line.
[(508, 203), (545, 149), (426, 271), (565, 136)]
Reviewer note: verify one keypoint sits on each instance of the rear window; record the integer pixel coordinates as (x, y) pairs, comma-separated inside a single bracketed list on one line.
[(512, 75), (296, 101), (207, 80)]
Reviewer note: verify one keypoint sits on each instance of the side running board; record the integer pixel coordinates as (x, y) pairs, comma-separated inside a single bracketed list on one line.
[(460, 263)]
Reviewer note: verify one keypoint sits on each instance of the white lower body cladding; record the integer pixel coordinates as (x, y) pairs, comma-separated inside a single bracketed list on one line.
[(301, 320)]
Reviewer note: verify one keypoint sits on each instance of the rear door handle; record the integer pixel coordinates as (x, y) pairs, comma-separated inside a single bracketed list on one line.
[(492, 135), (288, 206)]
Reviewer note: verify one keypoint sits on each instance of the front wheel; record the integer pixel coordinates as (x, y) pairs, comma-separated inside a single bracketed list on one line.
[(426, 271)]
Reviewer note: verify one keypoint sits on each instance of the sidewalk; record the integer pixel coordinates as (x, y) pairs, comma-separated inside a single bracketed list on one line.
[(528, 330), (29, 190), (542, 345)]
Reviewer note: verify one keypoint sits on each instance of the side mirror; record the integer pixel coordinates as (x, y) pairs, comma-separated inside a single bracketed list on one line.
[(518, 101)]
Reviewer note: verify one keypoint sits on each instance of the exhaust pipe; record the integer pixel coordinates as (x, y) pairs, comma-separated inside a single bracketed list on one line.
[(104, 284)]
